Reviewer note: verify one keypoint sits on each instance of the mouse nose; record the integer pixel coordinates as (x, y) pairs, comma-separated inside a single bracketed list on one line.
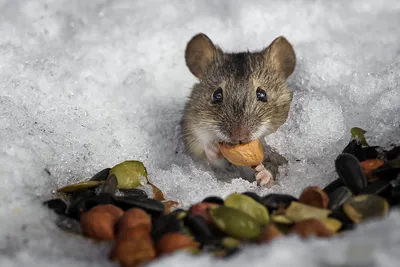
[(240, 134)]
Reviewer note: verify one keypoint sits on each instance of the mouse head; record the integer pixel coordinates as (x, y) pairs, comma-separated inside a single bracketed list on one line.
[(240, 96)]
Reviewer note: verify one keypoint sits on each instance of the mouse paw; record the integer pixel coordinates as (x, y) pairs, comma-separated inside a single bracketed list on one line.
[(216, 159), (263, 176)]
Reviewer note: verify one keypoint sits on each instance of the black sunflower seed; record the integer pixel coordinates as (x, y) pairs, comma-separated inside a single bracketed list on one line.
[(213, 199), (134, 193), (332, 186), (274, 201), (253, 196), (101, 175), (110, 185), (57, 205), (349, 170), (338, 197), (166, 223), (198, 226), (152, 206)]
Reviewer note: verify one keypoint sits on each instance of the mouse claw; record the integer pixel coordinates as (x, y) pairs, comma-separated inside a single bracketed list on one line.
[(263, 176)]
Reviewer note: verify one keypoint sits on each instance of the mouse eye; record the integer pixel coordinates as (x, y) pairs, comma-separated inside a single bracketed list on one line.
[(217, 96), (261, 95)]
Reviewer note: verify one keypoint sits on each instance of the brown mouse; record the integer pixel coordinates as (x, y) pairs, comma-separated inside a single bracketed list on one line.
[(239, 97)]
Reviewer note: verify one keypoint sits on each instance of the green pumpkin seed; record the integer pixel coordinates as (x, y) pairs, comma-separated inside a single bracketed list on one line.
[(230, 242), (129, 174), (235, 222), (248, 205), (298, 211), (79, 186), (332, 224), (359, 134), (281, 219), (365, 207)]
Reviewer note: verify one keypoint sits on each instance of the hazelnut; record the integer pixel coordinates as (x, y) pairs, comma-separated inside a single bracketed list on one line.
[(99, 222), (269, 233), (134, 217), (314, 196), (171, 242)]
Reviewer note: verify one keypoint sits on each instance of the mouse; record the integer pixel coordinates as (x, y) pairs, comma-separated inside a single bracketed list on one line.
[(238, 97)]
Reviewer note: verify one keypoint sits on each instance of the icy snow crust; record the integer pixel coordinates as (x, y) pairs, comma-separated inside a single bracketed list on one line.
[(85, 85)]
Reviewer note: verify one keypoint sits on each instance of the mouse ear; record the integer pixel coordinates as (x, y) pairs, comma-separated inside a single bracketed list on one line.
[(199, 54), (281, 56)]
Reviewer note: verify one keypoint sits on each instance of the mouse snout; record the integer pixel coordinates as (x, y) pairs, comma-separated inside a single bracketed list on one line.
[(240, 133)]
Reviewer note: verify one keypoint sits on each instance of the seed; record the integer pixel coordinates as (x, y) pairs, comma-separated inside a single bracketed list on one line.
[(79, 186), (275, 201), (201, 210), (57, 205), (101, 175), (364, 207), (110, 185), (198, 226), (248, 205), (332, 224), (235, 223), (349, 170), (129, 173), (298, 212), (213, 199), (338, 197), (314, 196), (253, 196), (151, 206)]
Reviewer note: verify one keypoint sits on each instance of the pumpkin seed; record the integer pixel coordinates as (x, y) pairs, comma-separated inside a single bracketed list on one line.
[(364, 207), (359, 135), (129, 173), (298, 211), (248, 205), (281, 219), (79, 186), (332, 224), (235, 223)]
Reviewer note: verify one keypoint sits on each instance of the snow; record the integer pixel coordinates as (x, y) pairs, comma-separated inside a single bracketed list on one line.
[(85, 85)]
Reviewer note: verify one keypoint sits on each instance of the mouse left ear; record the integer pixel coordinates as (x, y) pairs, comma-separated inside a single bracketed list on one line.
[(200, 52), (280, 55)]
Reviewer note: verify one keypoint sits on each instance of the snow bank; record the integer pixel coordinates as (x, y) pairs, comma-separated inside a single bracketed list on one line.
[(87, 84)]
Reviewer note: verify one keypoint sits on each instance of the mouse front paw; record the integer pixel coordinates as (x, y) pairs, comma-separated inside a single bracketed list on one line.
[(216, 158), (263, 176)]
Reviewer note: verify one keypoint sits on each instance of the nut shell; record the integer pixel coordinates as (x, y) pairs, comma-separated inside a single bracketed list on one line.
[(249, 154)]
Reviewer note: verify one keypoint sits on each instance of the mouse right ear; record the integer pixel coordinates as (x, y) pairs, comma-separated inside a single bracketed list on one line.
[(200, 52), (281, 56)]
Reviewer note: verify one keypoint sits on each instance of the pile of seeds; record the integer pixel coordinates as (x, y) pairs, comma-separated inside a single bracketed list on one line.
[(110, 208)]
